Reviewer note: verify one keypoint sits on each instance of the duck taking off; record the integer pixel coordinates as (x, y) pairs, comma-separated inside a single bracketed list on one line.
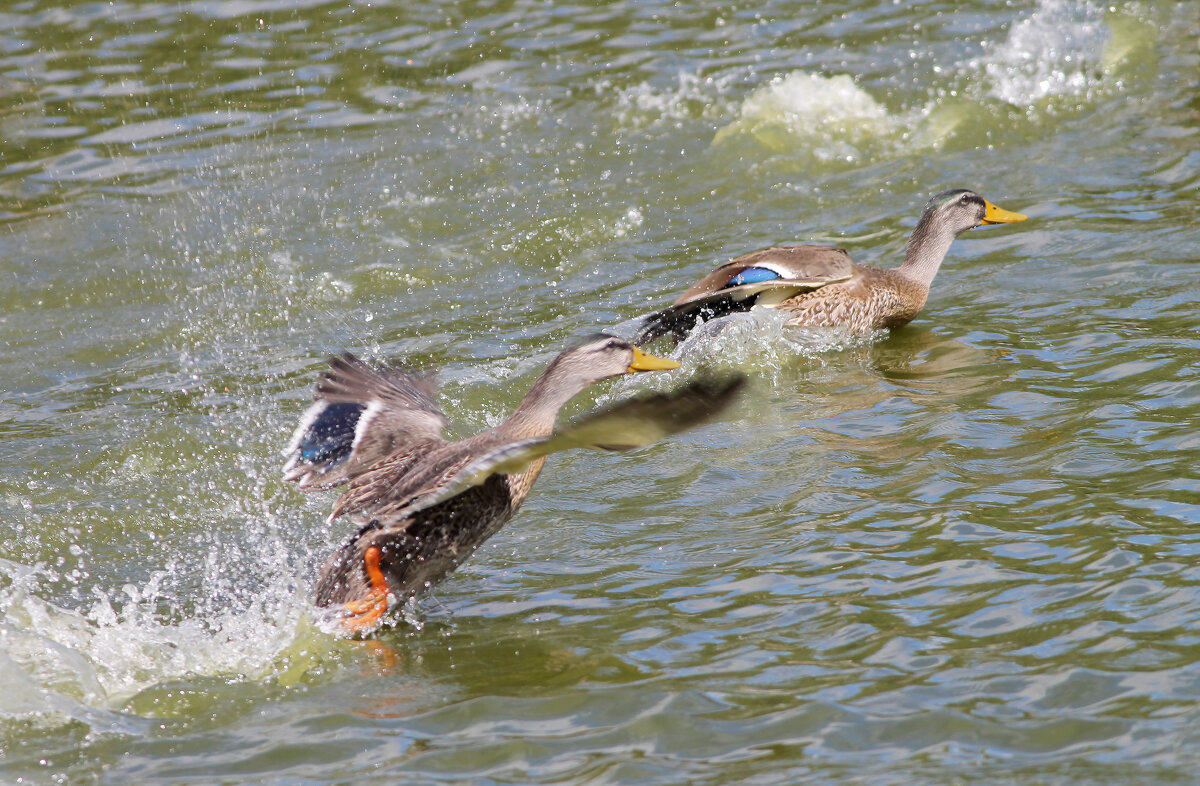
[(820, 286), (424, 504)]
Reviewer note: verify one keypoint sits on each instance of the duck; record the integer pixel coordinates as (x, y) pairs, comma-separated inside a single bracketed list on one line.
[(820, 286), (423, 504)]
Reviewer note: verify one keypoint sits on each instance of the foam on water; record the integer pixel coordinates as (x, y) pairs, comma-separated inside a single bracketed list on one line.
[(223, 596), (762, 337), (829, 118), (691, 96), (60, 660), (1058, 50), (756, 342)]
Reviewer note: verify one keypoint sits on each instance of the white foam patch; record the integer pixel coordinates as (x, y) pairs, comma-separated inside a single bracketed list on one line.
[(1062, 49), (830, 118), (77, 662), (588, 229), (691, 96), (760, 338), (754, 342), (1058, 50)]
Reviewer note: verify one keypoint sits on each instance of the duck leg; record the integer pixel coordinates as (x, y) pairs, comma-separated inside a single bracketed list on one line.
[(363, 615)]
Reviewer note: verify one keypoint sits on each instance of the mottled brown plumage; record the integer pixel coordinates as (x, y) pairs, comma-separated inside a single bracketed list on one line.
[(423, 504), (821, 286)]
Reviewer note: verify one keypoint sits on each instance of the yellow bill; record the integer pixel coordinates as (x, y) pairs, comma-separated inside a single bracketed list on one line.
[(645, 362), (998, 215)]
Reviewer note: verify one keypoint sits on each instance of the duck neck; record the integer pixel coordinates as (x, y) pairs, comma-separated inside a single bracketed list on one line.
[(926, 249), (535, 415)]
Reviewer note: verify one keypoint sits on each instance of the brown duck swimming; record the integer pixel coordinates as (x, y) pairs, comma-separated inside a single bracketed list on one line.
[(821, 287), (425, 504)]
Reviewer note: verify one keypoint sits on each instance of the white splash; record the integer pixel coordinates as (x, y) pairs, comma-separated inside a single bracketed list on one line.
[(762, 333), (1057, 51), (692, 96), (86, 662), (754, 342), (830, 118)]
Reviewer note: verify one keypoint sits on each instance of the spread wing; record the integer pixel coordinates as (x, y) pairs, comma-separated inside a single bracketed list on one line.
[(388, 489), (764, 277), (361, 415), (625, 425)]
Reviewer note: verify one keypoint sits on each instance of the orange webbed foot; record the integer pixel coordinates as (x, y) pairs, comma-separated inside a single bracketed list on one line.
[(362, 616)]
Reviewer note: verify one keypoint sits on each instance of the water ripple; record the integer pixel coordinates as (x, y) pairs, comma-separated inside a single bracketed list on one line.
[(962, 550)]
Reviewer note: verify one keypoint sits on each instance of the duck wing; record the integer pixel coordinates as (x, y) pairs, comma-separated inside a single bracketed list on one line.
[(764, 277), (360, 415), (625, 425), (387, 491)]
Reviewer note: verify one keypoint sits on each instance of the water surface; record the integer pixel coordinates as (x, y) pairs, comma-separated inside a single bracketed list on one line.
[(963, 551)]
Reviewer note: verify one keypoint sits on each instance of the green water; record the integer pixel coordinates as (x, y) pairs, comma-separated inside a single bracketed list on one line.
[(968, 551)]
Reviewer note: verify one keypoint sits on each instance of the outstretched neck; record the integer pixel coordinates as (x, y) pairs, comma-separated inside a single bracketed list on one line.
[(927, 247), (538, 410)]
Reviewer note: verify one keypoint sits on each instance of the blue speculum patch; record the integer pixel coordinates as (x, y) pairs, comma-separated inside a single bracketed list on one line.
[(331, 435), (752, 275)]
